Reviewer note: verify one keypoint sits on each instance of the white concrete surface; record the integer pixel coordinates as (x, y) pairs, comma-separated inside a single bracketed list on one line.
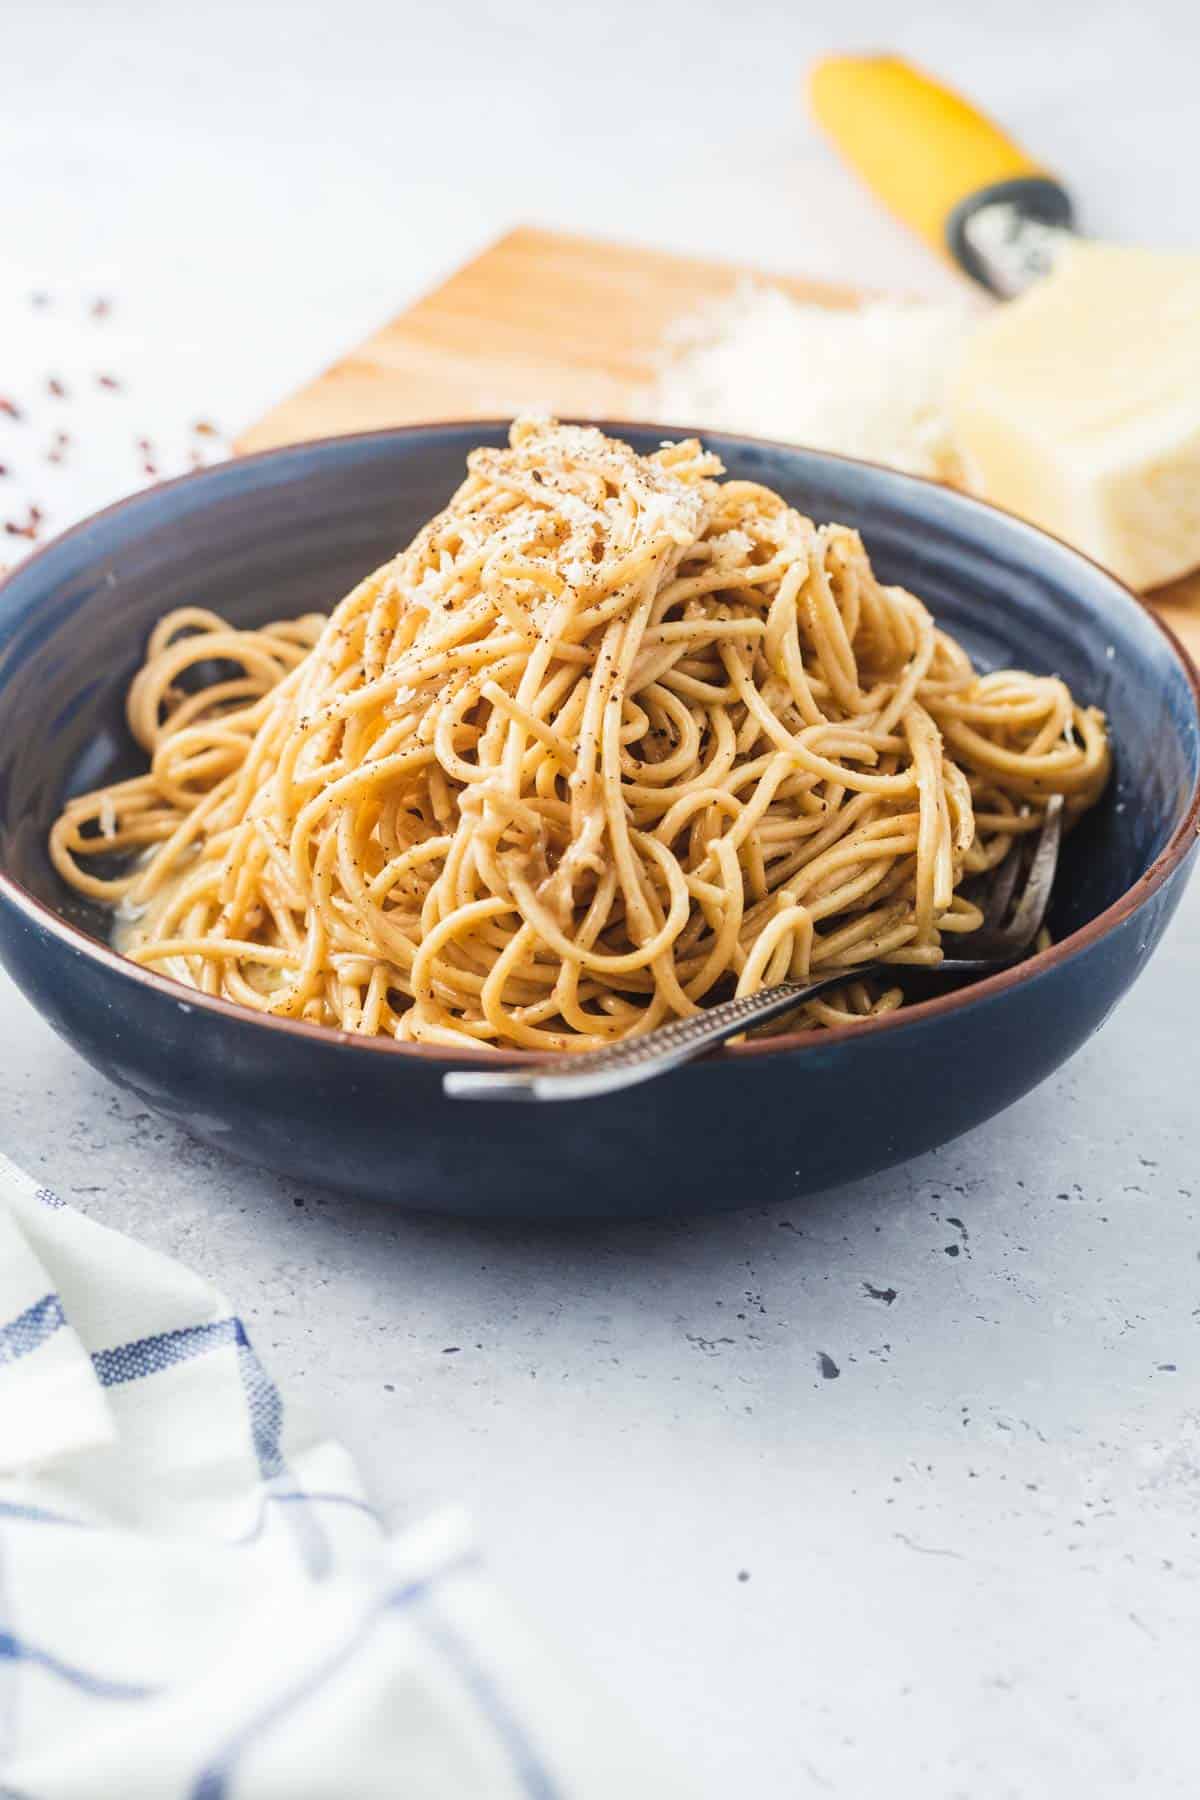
[(967, 1568)]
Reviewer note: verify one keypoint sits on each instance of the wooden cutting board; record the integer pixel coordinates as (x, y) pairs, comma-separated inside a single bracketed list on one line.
[(547, 322)]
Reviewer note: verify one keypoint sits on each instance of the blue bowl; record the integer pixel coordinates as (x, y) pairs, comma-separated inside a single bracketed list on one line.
[(291, 531)]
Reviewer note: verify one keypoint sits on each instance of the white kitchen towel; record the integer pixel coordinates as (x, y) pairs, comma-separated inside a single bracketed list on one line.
[(197, 1601)]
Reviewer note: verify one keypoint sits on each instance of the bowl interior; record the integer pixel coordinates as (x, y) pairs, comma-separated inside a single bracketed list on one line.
[(292, 531)]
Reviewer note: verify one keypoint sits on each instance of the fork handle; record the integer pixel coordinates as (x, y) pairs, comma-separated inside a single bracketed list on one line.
[(638, 1059)]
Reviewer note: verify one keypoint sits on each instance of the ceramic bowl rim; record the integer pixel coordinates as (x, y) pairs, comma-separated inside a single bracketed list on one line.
[(1182, 840)]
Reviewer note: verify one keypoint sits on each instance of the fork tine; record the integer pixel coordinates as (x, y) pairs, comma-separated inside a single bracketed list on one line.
[(1034, 898), (1000, 888)]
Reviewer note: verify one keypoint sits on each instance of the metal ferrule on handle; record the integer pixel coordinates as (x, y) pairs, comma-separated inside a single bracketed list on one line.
[(943, 168)]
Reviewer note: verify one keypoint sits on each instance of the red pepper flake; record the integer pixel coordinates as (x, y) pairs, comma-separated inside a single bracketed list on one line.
[(202, 428), (9, 410), (101, 307), (55, 455), (107, 381), (144, 445), (196, 458), (3, 471), (149, 468), (54, 386), (29, 529)]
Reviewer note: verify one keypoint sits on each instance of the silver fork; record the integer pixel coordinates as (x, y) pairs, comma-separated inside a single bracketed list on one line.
[(1011, 921)]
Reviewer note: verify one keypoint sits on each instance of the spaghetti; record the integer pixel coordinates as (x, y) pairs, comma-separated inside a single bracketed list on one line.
[(611, 734)]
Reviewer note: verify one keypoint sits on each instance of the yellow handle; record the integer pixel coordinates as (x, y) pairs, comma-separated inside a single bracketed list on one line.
[(923, 149)]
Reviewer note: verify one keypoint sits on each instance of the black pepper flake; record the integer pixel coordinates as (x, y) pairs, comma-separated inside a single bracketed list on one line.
[(54, 386), (39, 300), (107, 381), (100, 307), (3, 470)]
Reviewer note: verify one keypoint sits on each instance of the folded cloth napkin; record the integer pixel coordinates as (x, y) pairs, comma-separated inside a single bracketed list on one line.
[(197, 1600)]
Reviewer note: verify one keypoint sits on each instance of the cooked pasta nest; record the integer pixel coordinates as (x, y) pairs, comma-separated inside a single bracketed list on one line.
[(611, 737)]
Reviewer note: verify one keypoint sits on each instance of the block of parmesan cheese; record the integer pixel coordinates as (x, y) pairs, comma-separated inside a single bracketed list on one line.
[(1078, 406)]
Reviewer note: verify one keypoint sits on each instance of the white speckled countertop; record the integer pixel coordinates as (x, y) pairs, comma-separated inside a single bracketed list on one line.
[(967, 1567)]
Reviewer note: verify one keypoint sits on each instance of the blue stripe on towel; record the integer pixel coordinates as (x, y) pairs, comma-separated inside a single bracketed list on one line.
[(26, 1514), (280, 1496), (38, 1515), (215, 1782), (264, 1405), (13, 1649), (151, 1355), (534, 1777), (30, 1329)]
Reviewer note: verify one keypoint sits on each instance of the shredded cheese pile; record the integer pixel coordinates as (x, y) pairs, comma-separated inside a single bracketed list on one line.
[(866, 381)]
